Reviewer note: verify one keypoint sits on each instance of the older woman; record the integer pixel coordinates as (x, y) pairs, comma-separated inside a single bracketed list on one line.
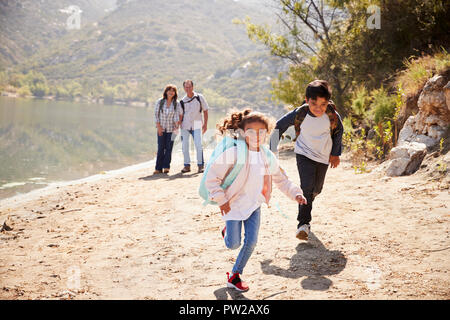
[(168, 117)]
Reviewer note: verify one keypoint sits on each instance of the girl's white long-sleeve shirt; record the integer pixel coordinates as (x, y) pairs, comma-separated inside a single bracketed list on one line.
[(249, 190)]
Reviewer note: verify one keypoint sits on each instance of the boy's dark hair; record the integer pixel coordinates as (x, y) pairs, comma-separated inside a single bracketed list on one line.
[(318, 88)]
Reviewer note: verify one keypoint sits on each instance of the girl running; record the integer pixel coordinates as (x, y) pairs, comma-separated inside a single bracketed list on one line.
[(240, 203)]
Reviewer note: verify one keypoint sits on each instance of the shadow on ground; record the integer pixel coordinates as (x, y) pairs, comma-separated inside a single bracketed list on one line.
[(313, 261), (170, 177), (223, 293)]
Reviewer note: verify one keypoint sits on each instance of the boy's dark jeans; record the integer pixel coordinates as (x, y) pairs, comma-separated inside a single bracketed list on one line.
[(164, 155), (312, 176)]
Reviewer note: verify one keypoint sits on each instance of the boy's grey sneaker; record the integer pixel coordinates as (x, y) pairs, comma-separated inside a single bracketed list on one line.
[(303, 232)]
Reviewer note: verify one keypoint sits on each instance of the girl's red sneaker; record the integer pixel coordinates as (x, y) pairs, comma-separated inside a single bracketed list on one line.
[(223, 231), (236, 282)]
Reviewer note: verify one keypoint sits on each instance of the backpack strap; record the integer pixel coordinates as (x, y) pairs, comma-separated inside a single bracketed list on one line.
[(240, 161), (182, 105), (299, 117), (332, 114), (201, 107), (161, 104), (194, 97), (226, 143)]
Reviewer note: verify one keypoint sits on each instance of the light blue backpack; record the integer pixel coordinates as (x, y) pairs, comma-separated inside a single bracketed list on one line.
[(228, 142)]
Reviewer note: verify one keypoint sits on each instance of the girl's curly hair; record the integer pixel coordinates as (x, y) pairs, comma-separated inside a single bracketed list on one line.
[(235, 122)]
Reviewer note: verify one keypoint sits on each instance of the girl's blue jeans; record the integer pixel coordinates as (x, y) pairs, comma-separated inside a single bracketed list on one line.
[(233, 238)]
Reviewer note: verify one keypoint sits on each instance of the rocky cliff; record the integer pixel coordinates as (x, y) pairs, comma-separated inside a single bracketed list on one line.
[(426, 131)]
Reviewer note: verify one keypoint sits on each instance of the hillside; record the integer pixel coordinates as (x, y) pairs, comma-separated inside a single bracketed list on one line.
[(131, 52), (27, 26), (247, 82), (157, 41)]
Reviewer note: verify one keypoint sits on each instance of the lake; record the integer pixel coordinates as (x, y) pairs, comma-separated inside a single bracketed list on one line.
[(46, 141)]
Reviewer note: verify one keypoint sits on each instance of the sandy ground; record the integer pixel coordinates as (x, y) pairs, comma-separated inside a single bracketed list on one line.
[(139, 236)]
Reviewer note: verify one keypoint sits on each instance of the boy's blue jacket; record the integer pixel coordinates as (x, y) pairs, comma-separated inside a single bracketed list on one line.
[(289, 120)]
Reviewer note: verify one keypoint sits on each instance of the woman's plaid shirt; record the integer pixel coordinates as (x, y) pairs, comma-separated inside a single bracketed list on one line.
[(168, 117)]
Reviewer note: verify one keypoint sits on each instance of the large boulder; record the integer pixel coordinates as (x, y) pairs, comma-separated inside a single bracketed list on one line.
[(432, 99), (432, 121), (406, 158), (422, 132), (408, 109), (433, 133)]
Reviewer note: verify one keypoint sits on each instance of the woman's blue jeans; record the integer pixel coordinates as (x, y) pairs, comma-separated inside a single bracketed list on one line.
[(233, 238), (164, 155)]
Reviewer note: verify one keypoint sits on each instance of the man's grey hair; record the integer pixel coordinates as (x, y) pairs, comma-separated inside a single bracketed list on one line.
[(186, 81)]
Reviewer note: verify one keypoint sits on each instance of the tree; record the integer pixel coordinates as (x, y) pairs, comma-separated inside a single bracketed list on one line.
[(39, 89), (290, 87), (331, 40), (307, 41)]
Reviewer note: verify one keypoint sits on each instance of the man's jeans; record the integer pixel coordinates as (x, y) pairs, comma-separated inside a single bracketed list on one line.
[(164, 155), (185, 138), (312, 177), (233, 238)]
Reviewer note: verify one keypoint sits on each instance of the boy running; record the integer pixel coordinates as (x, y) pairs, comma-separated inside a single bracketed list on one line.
[(318, 143)]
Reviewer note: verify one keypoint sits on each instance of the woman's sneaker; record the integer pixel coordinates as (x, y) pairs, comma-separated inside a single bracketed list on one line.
[(236, 282), (303, 232)]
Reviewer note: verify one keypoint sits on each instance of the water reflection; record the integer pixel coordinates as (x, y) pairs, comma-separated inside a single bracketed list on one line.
[(45, 141)]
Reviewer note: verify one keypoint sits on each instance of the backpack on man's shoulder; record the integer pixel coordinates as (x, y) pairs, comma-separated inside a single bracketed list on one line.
[(194, 97), (303, 111), (222, 146)]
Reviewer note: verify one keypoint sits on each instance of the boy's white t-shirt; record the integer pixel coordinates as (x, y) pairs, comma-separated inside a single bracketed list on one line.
[(314, 141), (252, 197)]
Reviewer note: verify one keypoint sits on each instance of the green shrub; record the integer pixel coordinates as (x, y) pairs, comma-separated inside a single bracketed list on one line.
[(348, 125), (383, 106), (24, 91), (360, 102), (60, 92), (39, 89)]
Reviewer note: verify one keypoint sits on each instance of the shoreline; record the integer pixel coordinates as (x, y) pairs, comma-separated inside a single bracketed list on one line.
[(81, 99), (52, 187), (104, 175), (120, 103)]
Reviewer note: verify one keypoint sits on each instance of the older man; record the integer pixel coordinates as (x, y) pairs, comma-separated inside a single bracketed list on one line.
[(194, 123)]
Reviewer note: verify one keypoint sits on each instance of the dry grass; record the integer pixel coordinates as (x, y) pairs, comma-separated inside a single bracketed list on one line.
[(420, 69)]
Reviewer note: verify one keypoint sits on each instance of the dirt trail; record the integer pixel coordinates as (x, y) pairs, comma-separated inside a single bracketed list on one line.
[(137, 236)]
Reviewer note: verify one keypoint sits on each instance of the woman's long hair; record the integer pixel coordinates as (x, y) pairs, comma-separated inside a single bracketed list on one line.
[(169, 87)]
